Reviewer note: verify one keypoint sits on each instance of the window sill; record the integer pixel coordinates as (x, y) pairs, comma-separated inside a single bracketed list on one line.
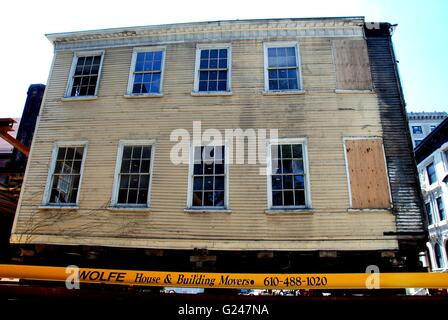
[(199, 210), (83, 98), (354, 91), (56, 207), (368, 210), (292, 211), (130, 209), (142, 96), (283, 93), (211, 94)]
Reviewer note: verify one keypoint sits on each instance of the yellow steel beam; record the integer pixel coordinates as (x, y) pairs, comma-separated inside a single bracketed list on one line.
[(228, 280)]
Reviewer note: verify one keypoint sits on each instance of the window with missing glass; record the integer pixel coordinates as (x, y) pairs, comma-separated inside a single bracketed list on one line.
[(133, 176), (213, 68), (85, 74), (288, 176), (208, 177), (64, 181), (146, 75), (282, 67)]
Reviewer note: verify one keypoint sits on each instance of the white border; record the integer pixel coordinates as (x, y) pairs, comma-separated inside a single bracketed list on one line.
[(121, 145), (347, 171), (304, 143), (190, 207), (49, 183), (218, 46), (76, 55), (132, 68), (277, 44)]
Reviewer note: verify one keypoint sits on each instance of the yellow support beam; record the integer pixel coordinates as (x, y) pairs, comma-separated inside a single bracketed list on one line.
[(73, 275)]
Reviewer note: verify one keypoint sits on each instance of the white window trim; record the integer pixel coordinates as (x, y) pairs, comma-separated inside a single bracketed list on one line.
[(46, 197), (304, 143), (76, 55), (121, 145), (190, 207), (347, 170), (132, 68), (218, 46), (277, 44)]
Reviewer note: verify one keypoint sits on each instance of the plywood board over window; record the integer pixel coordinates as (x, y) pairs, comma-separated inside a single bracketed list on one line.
[(369, 185), (352, 65)]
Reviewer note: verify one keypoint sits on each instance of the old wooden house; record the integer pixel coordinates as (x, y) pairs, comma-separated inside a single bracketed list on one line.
[(116, 176)]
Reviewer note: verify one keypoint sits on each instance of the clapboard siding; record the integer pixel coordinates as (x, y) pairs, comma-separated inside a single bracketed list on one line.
[(397, 143), (321, 115)]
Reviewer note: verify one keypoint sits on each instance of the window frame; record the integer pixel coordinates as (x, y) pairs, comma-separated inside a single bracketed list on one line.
[(130, 86), (304, 143), (190, 206), (49, 181), (210, 46), (119, 159), (80, 54), (281, 44), (427, 164)]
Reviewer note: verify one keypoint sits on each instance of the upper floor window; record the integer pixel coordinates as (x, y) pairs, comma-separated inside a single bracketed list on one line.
[(432, 128), (213, 68), (282, 67), (146, 74), (63, 182), (441, 208), (288, 175), (85, 74), (439, 256), (417, 130), (208, 177), (417, 142), (429, 213), (431, 172), (133, 174)]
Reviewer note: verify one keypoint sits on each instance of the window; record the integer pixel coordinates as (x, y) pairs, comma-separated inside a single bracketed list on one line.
[(64, 179), (417, 130), (133, 174), (282, 67), (208, 178), (429, 213), (85, 74), (213, 68), (432, 128), (441, 208), (352, 66), (439, 256), (431, 172), (417, 142), (367, 174), (288, 177), (146, 75)]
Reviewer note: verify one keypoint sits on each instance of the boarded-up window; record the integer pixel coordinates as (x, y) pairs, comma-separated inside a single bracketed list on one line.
[(367, 172), (352, 65)]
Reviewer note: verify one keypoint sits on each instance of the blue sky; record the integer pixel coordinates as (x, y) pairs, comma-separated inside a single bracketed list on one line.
[(421, 42)]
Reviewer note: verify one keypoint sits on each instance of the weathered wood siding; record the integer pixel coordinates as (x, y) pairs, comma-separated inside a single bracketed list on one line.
[(401, 167), (321, 115)]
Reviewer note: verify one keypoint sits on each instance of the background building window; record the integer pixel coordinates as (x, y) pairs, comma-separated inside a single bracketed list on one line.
[(213, 72), (431, 172), (146, 72), (282, 67), (209, 177), (417, 130), (134, 175), (85, 75), (429, 213), (441, 208), (432, 128), (66, 175), (288, 177), (417, 142)]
